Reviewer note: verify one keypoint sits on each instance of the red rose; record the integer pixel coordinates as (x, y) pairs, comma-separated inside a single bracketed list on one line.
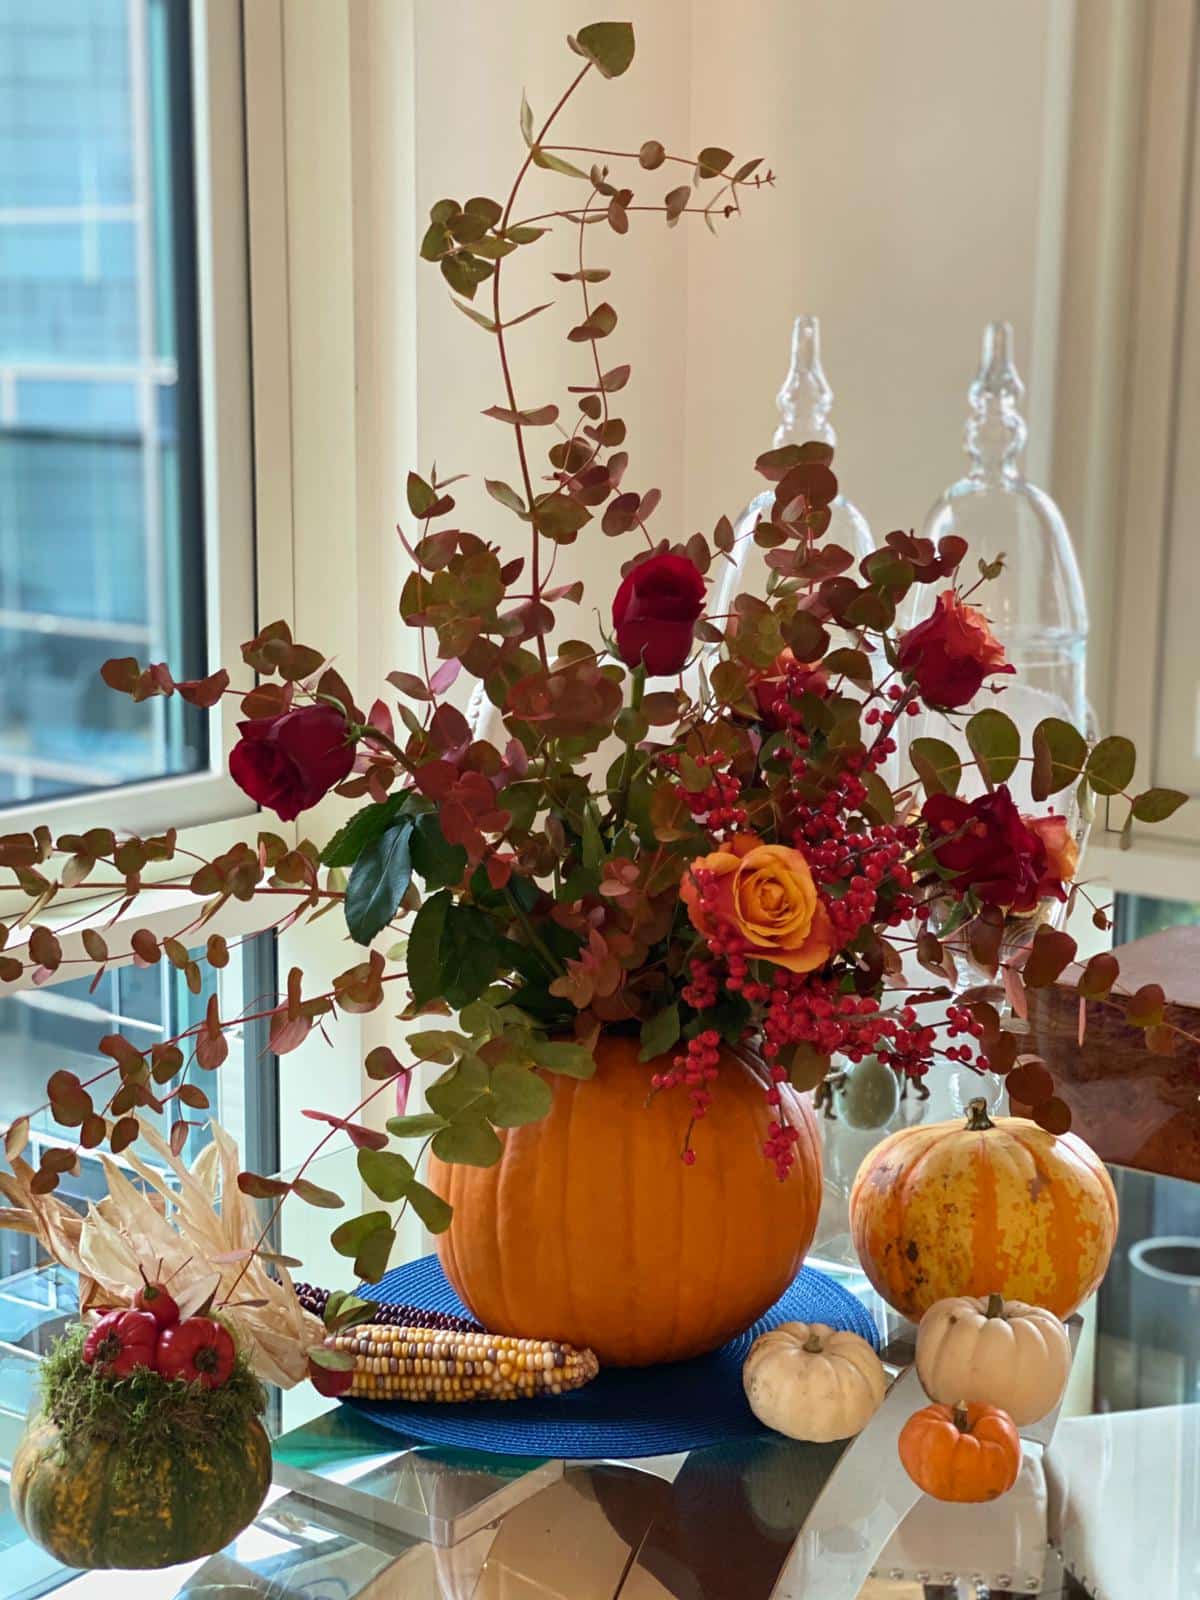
[(988, 849), (950, 654), (655, 613), (784, 680), (291, 761)]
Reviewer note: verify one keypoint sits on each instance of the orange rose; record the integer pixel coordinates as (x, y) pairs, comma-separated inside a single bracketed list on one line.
[(1062, 853), (766, 893)]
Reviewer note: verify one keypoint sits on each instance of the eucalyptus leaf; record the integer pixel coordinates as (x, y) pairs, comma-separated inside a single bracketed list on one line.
[(418, 1125), (995, 742), (519, 1095), (608, 45), (371, 1262), (431, 1208), (386, 1173), (349, 1237), (468, 1143), (569, 1060), (937, 765), (1111, 765)]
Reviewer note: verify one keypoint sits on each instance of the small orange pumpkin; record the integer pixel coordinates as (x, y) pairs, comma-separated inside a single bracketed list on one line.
[(1003, 1206), (966, 1453), (591, 1230)]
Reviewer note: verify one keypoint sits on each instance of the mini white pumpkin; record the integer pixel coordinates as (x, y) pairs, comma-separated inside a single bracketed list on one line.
[(994, 1352), (813, 1382)]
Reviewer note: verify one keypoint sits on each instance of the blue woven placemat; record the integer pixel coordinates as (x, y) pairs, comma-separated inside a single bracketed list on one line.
[(625, 1411)]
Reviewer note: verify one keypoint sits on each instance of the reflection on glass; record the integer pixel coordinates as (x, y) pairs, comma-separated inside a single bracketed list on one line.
[(100, 532), (57, 1027)]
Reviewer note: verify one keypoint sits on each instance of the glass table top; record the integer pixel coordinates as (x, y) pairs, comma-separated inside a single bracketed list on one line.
[(357, 1512)]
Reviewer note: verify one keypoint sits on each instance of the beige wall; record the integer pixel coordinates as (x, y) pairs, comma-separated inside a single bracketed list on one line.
[(919, 151)]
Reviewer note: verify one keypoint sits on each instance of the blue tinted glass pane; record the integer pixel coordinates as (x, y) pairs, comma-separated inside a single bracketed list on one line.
[(100, 509), (58, 1028)]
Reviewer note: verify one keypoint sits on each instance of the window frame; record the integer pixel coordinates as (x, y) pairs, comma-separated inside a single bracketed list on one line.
[(1127, 363), (185, 800)]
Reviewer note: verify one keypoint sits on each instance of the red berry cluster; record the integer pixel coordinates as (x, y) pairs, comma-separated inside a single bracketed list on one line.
[(716, 803), (861, 874), (695, 1067)]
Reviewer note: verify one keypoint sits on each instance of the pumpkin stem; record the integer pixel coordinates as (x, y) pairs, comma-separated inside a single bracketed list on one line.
[(960, 1418), (995, 1306), (813, 1344), (978, 1120)]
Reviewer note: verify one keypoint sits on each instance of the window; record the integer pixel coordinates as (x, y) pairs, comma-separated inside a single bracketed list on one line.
[(100, 495), (43, 1030)]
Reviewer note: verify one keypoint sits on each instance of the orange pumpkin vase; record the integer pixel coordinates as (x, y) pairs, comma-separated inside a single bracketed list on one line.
[(966, 1453), (592, 1230), (992, 1207)]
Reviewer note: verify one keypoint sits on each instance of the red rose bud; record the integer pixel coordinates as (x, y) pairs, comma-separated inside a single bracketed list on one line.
[(291, 761), (197, 1350), (655, 613), (988, 848), (121, 1342), (950, 654)]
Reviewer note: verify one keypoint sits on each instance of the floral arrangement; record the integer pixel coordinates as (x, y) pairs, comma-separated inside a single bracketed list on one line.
[(689, 828)]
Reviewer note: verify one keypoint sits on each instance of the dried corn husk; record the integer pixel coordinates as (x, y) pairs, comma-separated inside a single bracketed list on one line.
[(198, 1224)]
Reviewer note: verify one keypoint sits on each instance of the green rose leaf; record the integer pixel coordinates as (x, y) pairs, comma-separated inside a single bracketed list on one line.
[(470, 1143), (936, 764), (436, 862), (659, 1033), (470, 954), (386, 1173), (995, 743), (1156, 805), (379, 882), (424, 948), (1110, 766), (1059, 756), (608, 45), (519, 1095), (431, 1208), (363, 828)]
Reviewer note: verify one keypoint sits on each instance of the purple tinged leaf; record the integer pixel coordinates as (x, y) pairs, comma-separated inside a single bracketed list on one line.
[(445, 675)]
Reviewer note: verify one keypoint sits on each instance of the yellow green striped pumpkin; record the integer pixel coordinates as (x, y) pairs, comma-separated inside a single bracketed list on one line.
[(992, 1207), (91, 1506)]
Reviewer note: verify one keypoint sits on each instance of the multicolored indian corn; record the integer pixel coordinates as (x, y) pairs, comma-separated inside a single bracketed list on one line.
[(432, 1364)]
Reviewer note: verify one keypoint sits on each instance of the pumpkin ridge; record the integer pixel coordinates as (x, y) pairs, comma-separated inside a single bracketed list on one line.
[(1060, 1246)]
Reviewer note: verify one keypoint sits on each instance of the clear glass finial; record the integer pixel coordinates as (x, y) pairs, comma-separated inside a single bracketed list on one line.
[(804, 403), (996, 431), (1036, 605), (806, 398)]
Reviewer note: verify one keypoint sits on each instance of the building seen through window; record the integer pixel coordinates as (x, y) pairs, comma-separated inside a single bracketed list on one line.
[(100, 492)]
